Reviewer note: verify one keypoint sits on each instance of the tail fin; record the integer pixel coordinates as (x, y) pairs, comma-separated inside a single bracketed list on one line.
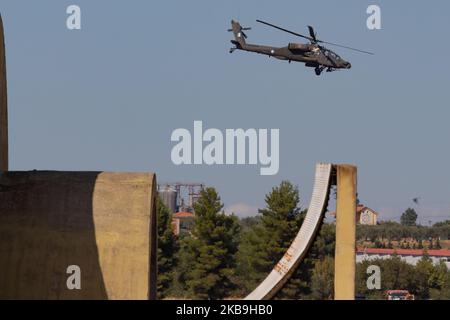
[(239, 34)]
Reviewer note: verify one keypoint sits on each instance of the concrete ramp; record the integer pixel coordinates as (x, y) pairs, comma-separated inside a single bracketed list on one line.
[(3, 104), (284, 269), (105, 223)]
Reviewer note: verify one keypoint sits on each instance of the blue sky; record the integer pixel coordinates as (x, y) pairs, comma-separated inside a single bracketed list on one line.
[(108, 97)]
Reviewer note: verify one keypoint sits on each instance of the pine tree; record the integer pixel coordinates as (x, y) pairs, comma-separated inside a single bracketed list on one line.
[(409, 217), (166, 249), (208, 257), (300, 285), (424, 270), (440, 282), (322, 282), (265, 243), (280, 219)]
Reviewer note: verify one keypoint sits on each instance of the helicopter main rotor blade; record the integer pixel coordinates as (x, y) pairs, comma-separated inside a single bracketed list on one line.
[(345, 47), (312, 33), (285, 30), (313, 38)]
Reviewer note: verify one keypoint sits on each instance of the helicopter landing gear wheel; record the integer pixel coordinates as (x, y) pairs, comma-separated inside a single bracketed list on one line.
[(318, 71)]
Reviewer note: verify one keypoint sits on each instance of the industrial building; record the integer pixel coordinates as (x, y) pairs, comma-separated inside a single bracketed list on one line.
[(180, 198)]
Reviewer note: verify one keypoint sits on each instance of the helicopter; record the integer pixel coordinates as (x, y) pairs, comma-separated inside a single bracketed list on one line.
[(313, 54)]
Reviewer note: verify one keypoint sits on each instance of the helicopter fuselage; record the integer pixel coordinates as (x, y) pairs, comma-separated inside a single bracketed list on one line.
[(310, 54)]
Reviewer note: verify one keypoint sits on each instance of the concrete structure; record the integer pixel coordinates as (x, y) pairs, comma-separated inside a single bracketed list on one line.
[(411, 256), (326, 176), (345, 267), (299, 248), (105, 223), (3, 104)]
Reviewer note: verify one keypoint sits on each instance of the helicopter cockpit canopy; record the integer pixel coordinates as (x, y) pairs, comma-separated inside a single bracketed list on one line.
[(332, 55)]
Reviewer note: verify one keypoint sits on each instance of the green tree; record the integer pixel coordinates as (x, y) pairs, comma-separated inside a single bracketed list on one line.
[(409, 217), (300, 286), (438, 276), (423, 274), (265, 243), (208, 257), (322, 281), (442, 223), (423, 280), (395, 274), (280, 219), (441, 277), (166, 249)]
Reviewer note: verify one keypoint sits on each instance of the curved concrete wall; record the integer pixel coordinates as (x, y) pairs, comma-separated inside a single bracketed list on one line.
[(3, 104), (105, 223), (300, 246), (326, 176)]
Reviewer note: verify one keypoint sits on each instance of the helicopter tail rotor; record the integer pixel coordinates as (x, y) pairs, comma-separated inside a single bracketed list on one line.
[(239, 35), (238, 30)]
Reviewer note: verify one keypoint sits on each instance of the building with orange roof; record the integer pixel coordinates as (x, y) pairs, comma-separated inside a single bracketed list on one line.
[(182, 222), (364, 215)]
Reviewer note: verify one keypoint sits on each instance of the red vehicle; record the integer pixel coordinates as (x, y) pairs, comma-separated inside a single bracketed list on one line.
[(398, 295)]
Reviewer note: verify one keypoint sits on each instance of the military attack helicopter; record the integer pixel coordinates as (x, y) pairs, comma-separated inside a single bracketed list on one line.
[(314, 55)]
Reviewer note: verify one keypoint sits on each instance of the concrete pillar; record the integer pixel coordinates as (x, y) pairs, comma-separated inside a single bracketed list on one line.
[(345, 255), (3, 105)]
